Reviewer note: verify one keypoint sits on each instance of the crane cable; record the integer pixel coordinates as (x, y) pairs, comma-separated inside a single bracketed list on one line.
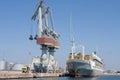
[(31, 31), (36, 31)]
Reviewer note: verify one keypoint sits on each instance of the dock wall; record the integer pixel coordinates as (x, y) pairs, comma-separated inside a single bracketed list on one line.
[(18, 74)]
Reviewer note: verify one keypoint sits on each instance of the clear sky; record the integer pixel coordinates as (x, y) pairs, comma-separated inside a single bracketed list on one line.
[(95, 23)]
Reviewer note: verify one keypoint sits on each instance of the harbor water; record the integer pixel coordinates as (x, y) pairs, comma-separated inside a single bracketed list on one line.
[(68, 78)]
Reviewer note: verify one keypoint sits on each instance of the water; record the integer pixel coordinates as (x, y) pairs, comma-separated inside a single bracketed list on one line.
[(68, 78)]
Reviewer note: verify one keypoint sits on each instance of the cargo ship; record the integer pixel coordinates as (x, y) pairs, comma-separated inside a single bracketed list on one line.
[(80, 65)]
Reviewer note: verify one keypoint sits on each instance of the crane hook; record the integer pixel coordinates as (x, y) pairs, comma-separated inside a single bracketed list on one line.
[(35, 36), (30, 38)]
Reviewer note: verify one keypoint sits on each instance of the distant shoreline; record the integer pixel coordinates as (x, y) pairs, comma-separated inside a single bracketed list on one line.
[(112, 74)]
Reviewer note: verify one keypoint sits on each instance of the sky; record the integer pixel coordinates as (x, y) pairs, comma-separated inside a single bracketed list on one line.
[(95, 24)]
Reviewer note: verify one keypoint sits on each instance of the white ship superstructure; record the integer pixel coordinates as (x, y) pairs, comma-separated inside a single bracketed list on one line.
[(84, 66)]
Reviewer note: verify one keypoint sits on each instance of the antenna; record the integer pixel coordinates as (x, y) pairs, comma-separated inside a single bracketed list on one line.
[(71, 33)]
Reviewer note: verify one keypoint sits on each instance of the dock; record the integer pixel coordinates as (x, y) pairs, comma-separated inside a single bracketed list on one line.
[(19, 75)]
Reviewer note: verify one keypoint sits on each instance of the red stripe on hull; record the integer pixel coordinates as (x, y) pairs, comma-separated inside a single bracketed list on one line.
[(83, 76)]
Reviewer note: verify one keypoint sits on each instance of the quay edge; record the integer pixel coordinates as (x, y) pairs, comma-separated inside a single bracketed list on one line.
[(19, 75)]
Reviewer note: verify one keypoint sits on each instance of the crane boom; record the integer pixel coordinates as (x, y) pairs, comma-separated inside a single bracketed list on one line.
[(41, 14), (41, 4)]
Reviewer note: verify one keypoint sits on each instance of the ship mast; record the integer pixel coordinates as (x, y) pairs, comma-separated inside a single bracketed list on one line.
[(73, 42), (72, 39), (73, 47)]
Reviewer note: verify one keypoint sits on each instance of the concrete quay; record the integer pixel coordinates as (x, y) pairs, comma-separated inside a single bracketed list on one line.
[(19, 74)]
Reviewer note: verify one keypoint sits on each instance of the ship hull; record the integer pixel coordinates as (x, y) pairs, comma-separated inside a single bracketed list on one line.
[(80, 68)]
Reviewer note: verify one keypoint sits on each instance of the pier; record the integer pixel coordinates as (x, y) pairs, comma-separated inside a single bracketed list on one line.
[(19, 75)]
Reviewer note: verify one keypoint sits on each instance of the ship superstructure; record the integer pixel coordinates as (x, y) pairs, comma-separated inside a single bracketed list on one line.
[(47, 38)]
